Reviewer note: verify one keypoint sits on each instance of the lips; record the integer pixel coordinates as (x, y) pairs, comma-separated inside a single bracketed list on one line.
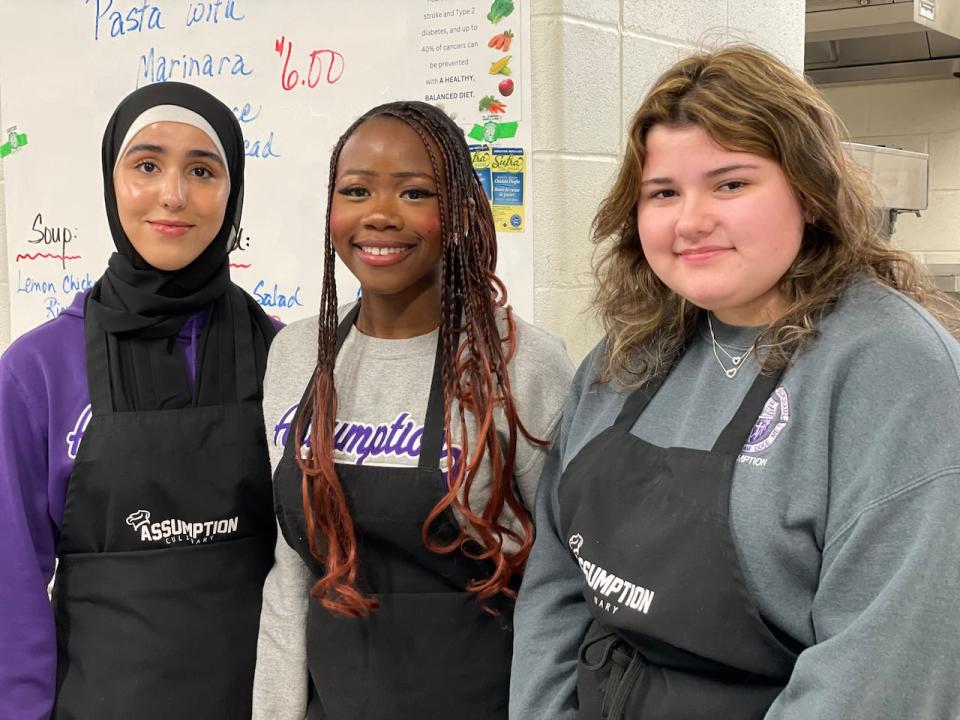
[(702, 254), (380, 253), (170, 228)]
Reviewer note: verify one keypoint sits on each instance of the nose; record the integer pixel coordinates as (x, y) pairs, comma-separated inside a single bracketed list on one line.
[(173, 192), (382, 213), (695, 219)]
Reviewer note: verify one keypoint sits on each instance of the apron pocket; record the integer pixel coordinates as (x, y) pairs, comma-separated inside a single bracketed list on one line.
[(423, 655), (159, 634)]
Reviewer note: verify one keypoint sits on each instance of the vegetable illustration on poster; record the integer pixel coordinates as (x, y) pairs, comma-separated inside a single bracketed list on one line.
[(296, 73)]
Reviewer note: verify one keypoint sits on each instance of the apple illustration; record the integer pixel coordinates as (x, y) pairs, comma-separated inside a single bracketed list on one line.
[(506, 87)]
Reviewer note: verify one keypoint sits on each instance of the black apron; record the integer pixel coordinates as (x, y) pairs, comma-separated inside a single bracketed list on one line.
[(675, 634), (167, 537), (429, 651)]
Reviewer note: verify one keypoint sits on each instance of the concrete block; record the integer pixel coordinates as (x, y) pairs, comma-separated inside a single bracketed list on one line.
[(689, 21), (936, 230), (576, 95), (945, 161), (942, 258), (602, 11), (644, 60), (850, 103), (923, 106), (776, 25), (566, 312), (568, 194)]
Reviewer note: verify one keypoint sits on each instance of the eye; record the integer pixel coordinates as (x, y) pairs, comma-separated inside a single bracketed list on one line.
[(201, 172), (418, 194), (733, 185), (147, 166), (662, 194), (354, 191)]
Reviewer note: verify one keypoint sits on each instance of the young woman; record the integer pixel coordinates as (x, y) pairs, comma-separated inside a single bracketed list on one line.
[(751, 509), (406, 449), (133, 446)]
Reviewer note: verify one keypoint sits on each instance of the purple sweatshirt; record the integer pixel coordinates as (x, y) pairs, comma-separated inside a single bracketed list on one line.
[(44, 409)]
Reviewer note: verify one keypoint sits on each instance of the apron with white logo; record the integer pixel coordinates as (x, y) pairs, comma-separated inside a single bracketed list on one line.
[(675, 633), (429, 651), (167, 537)]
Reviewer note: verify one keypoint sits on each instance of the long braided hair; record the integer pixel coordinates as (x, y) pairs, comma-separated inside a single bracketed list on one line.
[(475, 381)]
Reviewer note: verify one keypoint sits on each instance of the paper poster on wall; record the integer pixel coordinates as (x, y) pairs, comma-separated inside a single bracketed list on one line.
[(502, 173), (471, 58), (296, 73)]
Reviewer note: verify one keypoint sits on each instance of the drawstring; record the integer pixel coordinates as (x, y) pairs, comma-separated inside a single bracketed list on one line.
[(626, 666)]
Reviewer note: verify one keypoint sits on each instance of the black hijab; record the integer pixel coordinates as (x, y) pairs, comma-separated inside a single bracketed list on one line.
[(140, 309)]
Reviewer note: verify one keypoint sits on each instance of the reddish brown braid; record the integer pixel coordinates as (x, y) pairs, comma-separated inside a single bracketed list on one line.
[(475, 381)]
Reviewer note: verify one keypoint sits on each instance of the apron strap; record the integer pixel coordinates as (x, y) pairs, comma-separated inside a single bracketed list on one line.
[(245, 357), (293, 442), (431, 442), (98, 364), (637, 402), (346, 325), (738, 429)]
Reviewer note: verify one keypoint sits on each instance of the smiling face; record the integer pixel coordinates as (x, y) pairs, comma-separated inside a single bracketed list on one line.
[(385, 212), (172, 190), (718, 227)]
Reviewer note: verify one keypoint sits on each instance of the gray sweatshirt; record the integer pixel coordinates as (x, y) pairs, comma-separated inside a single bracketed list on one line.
[(845, 515), (380, 384)]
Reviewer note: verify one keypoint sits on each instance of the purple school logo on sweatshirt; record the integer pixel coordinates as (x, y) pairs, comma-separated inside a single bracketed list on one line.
[(358, 442), (76, 435), (771, 423)]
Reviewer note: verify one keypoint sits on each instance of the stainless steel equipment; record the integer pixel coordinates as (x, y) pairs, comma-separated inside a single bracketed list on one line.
[(863, 40), (899, 178)]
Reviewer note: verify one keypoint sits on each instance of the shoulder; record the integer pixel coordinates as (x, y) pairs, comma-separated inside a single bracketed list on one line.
[(47, 354), (877, 396), (878, 335), (540, 358), (295, 344), (43, 383), (538, 349), (587, 385)]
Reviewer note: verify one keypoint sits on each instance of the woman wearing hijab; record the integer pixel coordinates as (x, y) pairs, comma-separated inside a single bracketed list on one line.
[(161, 518)]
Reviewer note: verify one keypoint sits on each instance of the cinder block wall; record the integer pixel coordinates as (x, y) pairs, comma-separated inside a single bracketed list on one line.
[(923, 116), (592, 62)]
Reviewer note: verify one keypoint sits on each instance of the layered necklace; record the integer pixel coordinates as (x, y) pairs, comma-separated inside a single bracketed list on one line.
[(737, 360)]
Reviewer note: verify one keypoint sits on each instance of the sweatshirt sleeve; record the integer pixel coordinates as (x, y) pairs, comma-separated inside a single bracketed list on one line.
[(280, 685), (885, 613), (551, 617), (281, 677), (541, 377), (28, 656)]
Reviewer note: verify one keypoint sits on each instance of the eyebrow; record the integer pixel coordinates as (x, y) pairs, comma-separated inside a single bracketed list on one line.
[(712, 173), (371, 173), (160, 150)]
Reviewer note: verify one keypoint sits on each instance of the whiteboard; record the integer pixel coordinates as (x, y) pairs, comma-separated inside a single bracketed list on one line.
[(296, 73)]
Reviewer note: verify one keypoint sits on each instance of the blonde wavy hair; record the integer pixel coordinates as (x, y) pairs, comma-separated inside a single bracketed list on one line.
[(746, 100)]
